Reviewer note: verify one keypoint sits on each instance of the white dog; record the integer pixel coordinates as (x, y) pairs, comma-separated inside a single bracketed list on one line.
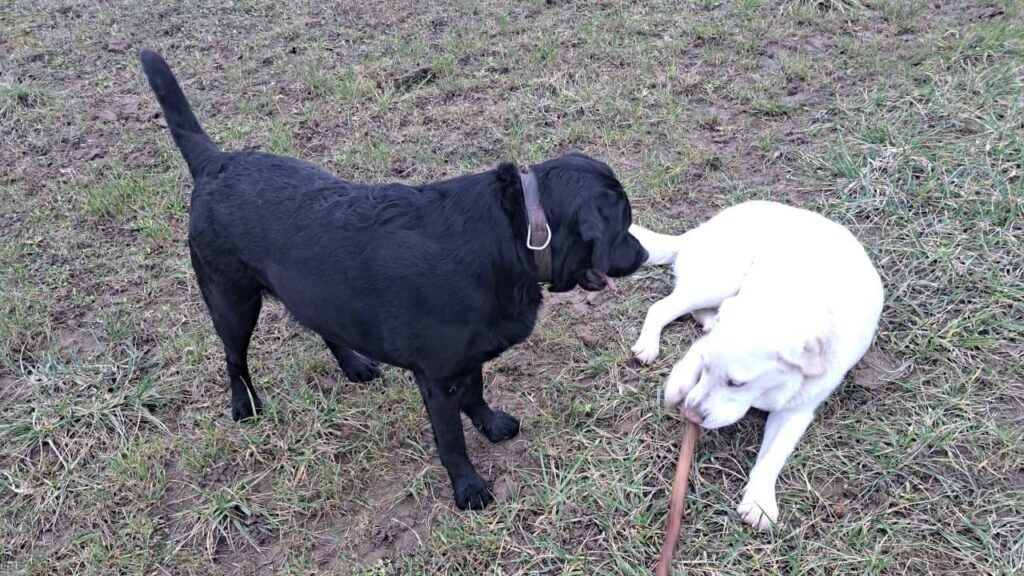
[(797, 301)]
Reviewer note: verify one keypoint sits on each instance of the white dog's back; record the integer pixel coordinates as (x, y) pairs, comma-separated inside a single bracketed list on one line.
[(753, 244)]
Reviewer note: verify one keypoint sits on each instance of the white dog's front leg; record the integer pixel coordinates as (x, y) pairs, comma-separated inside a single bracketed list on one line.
[(782, 432), (684, 375), (662, 313)]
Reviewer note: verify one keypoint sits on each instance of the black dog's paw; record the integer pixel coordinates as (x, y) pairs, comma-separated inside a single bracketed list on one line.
[(244, 409), (361, 370), (500, 427), (472, 493)]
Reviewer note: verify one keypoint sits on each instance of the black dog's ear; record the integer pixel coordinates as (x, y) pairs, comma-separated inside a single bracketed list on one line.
[(591, 224), (510, 190), (591, 230)]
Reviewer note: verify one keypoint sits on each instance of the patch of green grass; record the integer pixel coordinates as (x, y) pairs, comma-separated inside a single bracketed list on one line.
[(798, 67), (231, 137), (280, 139), (985, 43), (16, 95), (231, 513), (347, 86), (546, 51), (748, 5), (709, 33), (827, 5), (213, 447), (81, 418), (768, 106), (902, 14), (367, 160), (147, 200), (138, 473), (660, 176), (23, 318), (317, 80), (384, 99), (408, 48), (130, 394)]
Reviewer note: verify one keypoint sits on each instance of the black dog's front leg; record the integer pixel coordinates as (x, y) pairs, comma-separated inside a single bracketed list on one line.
[(443, 400), (495, 424)]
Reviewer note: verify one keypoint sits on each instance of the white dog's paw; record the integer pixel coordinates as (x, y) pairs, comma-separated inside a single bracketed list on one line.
[(682, 379), (708, 318), (676, 389), (759, 510), (646, 350)]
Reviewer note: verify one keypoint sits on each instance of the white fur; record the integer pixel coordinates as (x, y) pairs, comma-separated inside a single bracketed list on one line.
[(798, 303)]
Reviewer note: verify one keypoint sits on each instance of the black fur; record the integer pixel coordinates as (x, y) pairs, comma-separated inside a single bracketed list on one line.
[(434, 278)]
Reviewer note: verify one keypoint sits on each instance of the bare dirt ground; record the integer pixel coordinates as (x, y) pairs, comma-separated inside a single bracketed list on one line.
[(902, 120)]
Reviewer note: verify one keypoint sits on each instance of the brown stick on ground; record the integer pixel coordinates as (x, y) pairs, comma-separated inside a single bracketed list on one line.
[(676, 502)]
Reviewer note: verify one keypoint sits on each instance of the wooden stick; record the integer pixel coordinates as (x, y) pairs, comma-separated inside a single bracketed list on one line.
[(677, 500)]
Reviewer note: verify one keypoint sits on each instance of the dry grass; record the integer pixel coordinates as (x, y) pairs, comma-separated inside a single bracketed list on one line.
[(899, 119)]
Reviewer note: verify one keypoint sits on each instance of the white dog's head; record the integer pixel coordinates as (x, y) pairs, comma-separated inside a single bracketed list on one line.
[(757, 354)]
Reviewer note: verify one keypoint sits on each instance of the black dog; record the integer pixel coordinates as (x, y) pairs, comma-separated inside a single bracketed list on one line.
[(436, 279)]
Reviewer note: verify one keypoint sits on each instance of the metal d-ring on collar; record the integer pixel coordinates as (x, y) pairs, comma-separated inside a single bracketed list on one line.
[(529, 238), (538, 226)]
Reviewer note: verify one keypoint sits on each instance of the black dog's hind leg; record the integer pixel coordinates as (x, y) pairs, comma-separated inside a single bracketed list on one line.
[(443, 400), (235, 311), (356, 368), (494, 424)]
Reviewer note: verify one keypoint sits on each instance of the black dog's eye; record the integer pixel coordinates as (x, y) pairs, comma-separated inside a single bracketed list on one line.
[(733, 383)]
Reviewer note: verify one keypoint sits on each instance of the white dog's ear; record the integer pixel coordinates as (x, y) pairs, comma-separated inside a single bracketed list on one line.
[(810, 356)]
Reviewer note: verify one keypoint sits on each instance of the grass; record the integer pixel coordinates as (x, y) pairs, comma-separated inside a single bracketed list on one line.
[(15, 95), (899, 119), (147, 201)]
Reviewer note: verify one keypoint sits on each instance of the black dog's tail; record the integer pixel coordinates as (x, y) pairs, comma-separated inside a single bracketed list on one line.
[(195, 145)]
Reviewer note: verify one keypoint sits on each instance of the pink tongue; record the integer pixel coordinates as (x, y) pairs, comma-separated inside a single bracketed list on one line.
[(607, 281)]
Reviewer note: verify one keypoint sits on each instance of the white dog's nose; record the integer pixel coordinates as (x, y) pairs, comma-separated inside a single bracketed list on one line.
[(692, 415)]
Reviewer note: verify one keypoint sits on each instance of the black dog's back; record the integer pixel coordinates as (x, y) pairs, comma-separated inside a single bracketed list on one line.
[(371, 267)]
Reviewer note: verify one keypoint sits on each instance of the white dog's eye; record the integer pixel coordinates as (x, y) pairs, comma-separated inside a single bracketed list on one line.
[(733, 383)]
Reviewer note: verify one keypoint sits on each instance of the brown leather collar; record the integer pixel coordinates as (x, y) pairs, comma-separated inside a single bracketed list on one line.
[(538, 235)]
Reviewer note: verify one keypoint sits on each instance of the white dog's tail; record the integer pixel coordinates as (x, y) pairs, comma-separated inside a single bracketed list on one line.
[(661, 248)]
